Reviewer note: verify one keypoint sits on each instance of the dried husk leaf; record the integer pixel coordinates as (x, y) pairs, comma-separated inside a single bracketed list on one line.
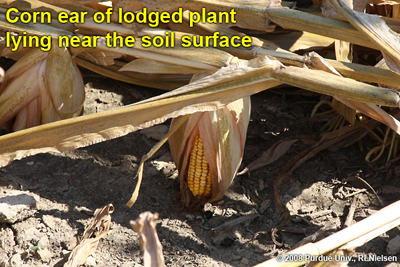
[(29, 116), (49, 113), (151, 246), (27, 61), (97, 229), (64, 83), (18, 93)]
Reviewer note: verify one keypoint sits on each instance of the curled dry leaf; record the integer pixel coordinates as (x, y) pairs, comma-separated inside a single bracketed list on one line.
[(97, 229), (376, 30), (145, 226), (271, 155)]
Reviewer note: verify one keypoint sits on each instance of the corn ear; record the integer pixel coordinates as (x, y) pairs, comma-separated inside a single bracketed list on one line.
[(223, 134)]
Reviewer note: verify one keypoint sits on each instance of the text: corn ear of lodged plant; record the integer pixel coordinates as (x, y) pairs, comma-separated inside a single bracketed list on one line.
[(208, 149), (41, 87)]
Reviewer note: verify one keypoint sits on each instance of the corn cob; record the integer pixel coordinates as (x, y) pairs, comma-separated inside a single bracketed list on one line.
[(199, 173)]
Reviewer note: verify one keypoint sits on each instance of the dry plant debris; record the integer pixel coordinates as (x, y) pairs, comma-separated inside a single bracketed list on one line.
[(96, 230), (145, 226)]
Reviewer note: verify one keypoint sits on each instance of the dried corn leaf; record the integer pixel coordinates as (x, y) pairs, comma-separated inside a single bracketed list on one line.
[(145, 226), (368, 109), (343, 51), (97, 229), (159, 81), (150, 66), (346, 69), (376, 30), (299, 40), (91, 28), (208, 28), (211, 93), (303, 21), (330, 84), (102, 58), (275, 152), (374, 112), (347, 112), (225, 86)]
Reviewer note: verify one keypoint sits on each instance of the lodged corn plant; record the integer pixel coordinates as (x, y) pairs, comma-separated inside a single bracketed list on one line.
[(210, 115)]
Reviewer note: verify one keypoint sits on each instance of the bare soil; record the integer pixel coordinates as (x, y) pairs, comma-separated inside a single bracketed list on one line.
[(68, 187)]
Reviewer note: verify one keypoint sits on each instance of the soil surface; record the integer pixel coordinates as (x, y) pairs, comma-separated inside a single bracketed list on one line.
[(70, 186)]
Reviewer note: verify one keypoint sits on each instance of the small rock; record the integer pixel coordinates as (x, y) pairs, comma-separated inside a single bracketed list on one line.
[(44, 254), (16, 207), (156, 132), (244, 261), (393, 246)]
